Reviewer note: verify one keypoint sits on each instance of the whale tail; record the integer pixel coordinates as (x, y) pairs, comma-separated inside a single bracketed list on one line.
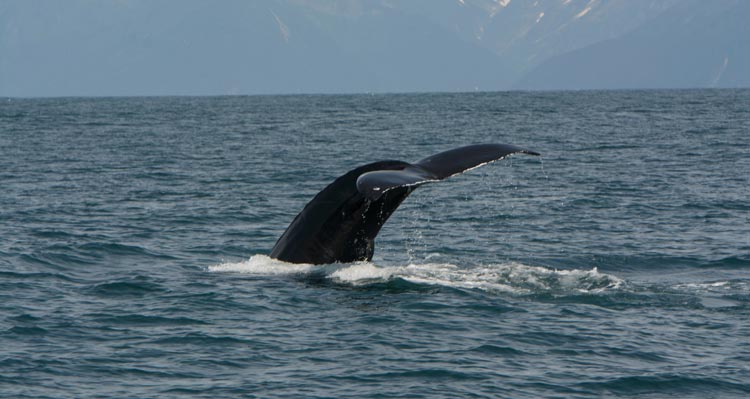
[(341, 222)]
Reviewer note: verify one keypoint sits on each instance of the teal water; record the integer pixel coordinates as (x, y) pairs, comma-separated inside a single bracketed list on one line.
[(134, 234)]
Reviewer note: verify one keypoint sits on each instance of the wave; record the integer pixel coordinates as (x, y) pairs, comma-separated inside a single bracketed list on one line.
[(511, 277), (135, 287), (673, 383)]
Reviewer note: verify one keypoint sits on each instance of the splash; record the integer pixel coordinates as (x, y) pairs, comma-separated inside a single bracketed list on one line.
[(263, 265), (512, 277)]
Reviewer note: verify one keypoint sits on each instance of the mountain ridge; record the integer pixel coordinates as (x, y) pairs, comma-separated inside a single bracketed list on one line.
[(197, 47)]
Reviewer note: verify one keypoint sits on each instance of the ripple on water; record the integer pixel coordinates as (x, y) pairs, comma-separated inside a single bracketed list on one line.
[(675, 384), (131, 287)]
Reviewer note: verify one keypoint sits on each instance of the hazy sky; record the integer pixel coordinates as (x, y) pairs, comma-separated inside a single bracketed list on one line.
[(202, 47)]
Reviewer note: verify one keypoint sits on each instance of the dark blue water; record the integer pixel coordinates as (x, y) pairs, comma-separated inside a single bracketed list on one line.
[(133, 234)]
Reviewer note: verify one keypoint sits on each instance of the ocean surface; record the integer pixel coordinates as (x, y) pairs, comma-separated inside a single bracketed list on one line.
[(134, 235)]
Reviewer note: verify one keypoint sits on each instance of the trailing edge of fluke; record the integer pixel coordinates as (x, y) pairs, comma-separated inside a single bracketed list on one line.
[(340, 224)]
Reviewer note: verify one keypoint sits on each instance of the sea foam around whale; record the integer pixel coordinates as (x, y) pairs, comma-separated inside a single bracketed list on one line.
[(510, 277)]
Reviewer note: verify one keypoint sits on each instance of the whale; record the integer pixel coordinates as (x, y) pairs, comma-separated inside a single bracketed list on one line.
[(340, 223)]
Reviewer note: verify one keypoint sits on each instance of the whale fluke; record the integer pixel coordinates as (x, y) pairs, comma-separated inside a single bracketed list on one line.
[(437, 167), (341, 222)]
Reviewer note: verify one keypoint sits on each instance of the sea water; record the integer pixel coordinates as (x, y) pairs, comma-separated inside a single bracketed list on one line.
[(134, 235)]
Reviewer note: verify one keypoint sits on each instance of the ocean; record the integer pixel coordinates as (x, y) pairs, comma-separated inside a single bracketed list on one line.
[(134, 235)]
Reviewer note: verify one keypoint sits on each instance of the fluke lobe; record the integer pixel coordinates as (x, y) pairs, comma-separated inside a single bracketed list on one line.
[(341, 222)]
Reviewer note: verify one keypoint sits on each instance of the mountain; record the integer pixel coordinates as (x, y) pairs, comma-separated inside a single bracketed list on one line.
[(199, 47), (693, 44)]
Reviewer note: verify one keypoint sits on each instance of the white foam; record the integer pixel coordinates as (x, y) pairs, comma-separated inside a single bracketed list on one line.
[(362, 273), (449, 275), (708, 286), (263, 265), (511, 277)]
